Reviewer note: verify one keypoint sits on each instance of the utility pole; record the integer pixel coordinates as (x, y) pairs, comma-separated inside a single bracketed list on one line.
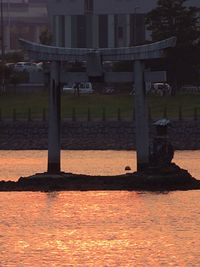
[(2, 49)]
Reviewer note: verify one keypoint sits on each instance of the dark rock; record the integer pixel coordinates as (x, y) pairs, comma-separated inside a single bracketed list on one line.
[(127, 168)]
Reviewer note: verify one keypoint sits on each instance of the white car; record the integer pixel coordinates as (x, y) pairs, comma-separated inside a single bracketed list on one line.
[(25, 66), (161, 89), (39, 66), (84, 88)]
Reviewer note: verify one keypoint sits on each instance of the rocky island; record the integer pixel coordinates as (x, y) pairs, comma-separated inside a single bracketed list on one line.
[(160, 174), (168, 179)]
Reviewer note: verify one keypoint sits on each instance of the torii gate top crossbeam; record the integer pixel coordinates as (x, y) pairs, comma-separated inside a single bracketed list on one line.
[(41, 52)]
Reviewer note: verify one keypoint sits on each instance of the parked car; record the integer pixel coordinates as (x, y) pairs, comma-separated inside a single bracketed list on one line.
[(108, 90), (39, 66), (190, 89), (160, 89), (25, 66), (10, 65), (84, 88)]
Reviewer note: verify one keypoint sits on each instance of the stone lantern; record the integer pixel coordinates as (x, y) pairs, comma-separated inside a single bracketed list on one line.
[(161, 150)]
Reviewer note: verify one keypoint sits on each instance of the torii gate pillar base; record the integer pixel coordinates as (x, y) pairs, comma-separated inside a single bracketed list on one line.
[(53, 168)]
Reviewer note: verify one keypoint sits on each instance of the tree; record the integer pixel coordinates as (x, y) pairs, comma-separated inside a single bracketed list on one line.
[(175, 18), (15, 56), (45, 37), (18, 77)]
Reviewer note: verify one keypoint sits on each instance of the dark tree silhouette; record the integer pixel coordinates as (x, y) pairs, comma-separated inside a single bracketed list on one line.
[(45, 37), (175, 18)]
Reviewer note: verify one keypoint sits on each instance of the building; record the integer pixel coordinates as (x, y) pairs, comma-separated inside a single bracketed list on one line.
[(23, 19), (99, 24), (94, 23), (78, 23)]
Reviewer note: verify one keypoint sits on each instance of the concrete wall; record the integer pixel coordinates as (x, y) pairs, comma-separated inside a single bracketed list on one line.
[(123, 6), (70, 77), (92, 135), (66, 7), (112, 77), (118, 77), (36, 77), (25, 88), (69, 7)]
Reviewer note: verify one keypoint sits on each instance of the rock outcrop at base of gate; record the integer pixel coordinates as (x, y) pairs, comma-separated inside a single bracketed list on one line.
[(170, 179)]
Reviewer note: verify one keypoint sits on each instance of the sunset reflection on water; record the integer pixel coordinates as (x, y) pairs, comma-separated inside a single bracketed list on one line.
[(99, 228), (14, 164), (23, 163)]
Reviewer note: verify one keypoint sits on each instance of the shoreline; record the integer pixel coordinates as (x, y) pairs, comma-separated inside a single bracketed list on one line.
[(171, 179)]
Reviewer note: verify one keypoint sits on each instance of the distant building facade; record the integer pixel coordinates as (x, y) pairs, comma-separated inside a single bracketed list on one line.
[(94, 23), (100, 23), (78, 23), (23, 19)]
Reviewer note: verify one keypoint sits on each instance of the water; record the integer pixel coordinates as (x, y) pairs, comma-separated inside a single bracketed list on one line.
[(88, 162), (97, 228)]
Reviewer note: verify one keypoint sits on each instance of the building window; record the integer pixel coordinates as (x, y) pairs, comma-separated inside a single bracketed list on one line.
[(88, 6)]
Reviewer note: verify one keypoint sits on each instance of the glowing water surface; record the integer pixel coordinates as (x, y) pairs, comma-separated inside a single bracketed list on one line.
[(117, 228)]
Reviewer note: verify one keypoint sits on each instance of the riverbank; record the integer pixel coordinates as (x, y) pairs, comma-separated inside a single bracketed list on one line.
[(92, 135)]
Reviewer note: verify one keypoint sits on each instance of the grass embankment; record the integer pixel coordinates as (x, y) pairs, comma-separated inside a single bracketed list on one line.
[(33, 104)]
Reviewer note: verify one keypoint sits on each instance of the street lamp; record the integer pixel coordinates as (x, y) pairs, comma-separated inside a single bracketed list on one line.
[(2, 49)]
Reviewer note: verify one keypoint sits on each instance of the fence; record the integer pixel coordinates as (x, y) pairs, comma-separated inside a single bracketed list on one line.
[(103, 115)]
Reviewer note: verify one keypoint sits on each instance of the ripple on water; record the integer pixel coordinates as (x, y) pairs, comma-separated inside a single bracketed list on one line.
[(98, 228)]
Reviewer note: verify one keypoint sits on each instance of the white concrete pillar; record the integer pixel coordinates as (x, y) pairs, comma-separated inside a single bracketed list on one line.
[(111, 31), (57, 31), (54, 120), (127, 30), (95, 31), (68, 31), (141, 117), (36, 33), (7, 38)]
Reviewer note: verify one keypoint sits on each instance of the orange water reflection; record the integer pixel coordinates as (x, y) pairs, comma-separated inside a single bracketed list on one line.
[(99, 229), (96, 228), (14, 164)]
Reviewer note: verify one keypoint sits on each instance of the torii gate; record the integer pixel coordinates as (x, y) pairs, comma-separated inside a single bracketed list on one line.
[(137, 54)]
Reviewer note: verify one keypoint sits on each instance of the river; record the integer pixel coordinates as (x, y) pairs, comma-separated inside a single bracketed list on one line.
[(117, 228)]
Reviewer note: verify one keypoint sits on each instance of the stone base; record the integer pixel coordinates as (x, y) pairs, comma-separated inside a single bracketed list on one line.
[(166, 179)]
